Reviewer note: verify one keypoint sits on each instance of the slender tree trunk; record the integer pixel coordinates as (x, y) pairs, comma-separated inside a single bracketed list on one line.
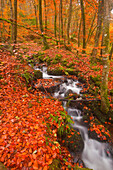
[(45, 9), (41, 26), (91, 27), (105, 57), (69, 20), (12, 20), (15, 21), (61, 17), (79, 32), (55, 18), (2, 28), (59, 23), (99, 28), (83, 26), (111, 52), (35, 8)]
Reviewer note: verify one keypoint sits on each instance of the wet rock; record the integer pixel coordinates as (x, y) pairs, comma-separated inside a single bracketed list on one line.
[(68, 93), (56, 71), (37, 74)]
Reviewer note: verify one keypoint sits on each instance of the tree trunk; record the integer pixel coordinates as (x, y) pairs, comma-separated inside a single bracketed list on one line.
[(91, 27), (41, 26), (55, 18), (111, 52), (12, 26), (79, 32), (35, 8), (99, 28), (83, 26), (2, 28), (69, 20), (45, 9), (61, 17), (105, 56), (15, 21), (59, 23)]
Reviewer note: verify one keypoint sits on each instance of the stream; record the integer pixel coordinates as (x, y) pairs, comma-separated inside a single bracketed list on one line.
[(95, 155)]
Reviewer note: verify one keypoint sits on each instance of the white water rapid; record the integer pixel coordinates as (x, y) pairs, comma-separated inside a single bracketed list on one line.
[(95, 155)]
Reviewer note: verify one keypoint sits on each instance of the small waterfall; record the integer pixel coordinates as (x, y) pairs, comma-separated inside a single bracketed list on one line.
[(95, 154), (45, 74)]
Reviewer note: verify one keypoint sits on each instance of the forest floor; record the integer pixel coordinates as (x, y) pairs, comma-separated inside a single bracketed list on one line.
[(25, 121)]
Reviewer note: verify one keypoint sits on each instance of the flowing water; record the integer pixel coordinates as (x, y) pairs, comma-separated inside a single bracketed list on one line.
[(95, 155)]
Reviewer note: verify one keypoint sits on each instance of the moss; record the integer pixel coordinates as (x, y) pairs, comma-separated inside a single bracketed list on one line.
[(55, 165), (2, 167), (57, 71), (71, 71), (37, 74)]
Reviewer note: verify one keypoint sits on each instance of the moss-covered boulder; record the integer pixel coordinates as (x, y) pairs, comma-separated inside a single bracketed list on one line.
[(37, 74), (55, 71), (71, 71)]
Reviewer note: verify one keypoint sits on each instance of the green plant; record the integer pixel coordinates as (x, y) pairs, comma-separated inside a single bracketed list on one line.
[(28, 77), (62, 123)]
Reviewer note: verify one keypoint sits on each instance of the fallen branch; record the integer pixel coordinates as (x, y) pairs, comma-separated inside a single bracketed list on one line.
[(8, 21)]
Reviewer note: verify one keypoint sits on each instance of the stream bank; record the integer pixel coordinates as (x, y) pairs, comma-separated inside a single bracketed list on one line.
[(63, 92)]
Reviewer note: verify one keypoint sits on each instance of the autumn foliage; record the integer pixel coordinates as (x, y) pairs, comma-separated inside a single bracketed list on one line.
[(28, 135)]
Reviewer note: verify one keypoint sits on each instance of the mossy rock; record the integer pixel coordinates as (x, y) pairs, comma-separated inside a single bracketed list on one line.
[(74, 143), (71, 71), (37, 74), (2, 167), (55, 165), (56, 71)]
